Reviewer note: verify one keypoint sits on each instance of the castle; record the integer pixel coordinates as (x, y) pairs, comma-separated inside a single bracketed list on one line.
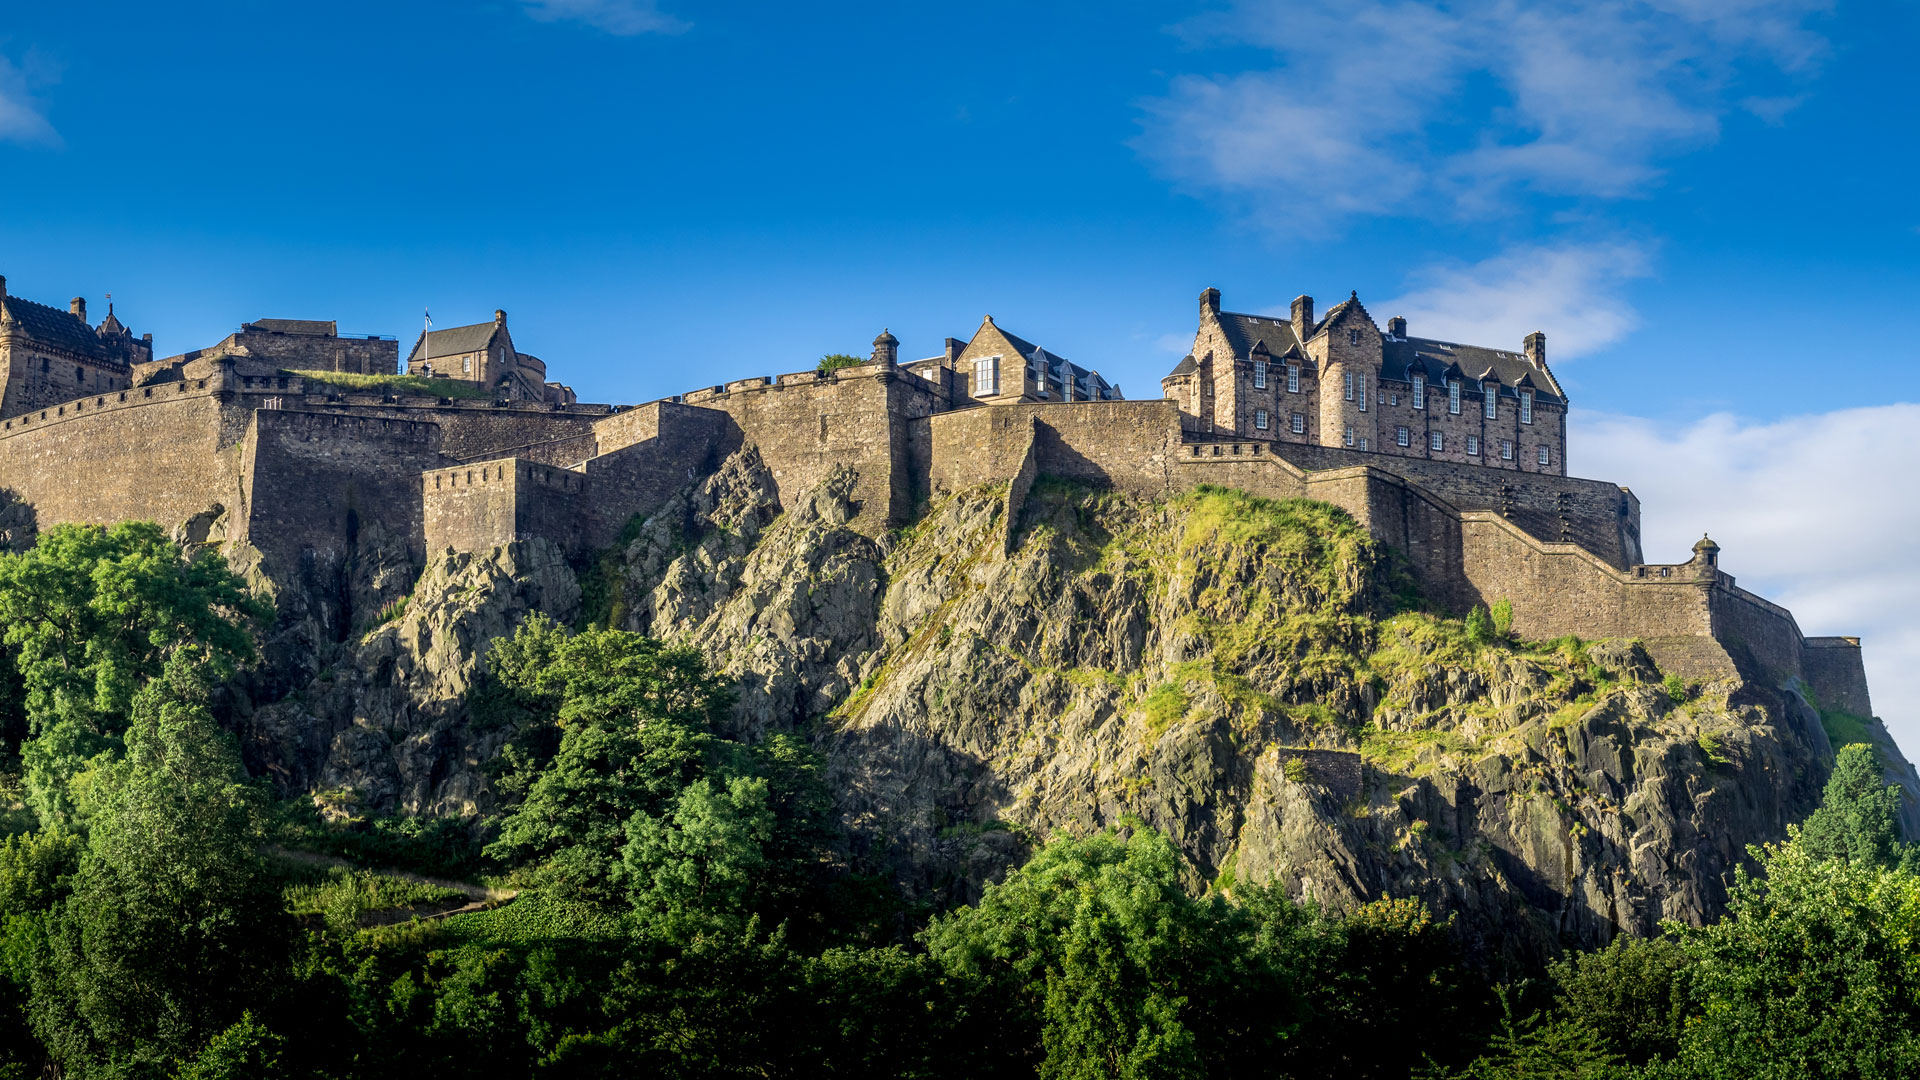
[(306, 450)]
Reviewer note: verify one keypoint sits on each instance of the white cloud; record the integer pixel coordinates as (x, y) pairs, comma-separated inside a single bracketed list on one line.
[(623, 17), (1397, 107), (1814, 512), (21, 117), (1571, 291)]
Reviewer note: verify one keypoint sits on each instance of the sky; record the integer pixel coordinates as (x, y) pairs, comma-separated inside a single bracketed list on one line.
[(1708, 206)]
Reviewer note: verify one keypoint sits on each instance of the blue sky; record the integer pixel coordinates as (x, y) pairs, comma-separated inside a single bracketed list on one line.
[(1708, 206)]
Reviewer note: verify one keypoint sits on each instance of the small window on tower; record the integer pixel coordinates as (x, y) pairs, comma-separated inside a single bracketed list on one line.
[(1353, 337), (79, 374), (1362, 396), (1473, 446), (1349, 386), (1546, 456), (1349, 435), (1526, 406)]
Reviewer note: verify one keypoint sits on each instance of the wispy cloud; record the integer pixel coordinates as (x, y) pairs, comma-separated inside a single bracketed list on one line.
[(623, 17), (22, 118), (1807, 511), (1575, 291), (1397, 107)]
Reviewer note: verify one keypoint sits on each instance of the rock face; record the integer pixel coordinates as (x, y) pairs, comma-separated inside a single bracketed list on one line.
[(1243, 675)]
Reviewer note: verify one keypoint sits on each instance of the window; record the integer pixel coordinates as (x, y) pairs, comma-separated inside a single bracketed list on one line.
[(466, 364), (1349, 386), (46, 365), (79, 374), (1293, 378), (1363, 444), (1419, 391), (986, 376), (1546, 456), (1433, 440), (1260, 419), (1362, 397), (1299, 424), (1492, 395), (1353, 337), (1506, 449), (1259, 374), (1453, 396), (1393, 399), (1526, 406), (1473, 446), (1403, 437), (1349, 434)]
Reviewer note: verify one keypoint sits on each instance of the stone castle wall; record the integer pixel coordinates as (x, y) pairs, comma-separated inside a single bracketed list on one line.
[(316, 481), (479, 505)]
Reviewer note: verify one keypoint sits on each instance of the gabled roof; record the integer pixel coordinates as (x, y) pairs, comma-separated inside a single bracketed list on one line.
[(1436, 358), (1055, 363), (57, 328), (1186, 366), (1345, 311), (455, 340), (1243, 330), (314, 327)]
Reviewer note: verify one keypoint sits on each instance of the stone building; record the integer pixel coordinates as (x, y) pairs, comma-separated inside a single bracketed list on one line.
[(293, 344), (1342, 381), (997, 367), (50, 356), (484, 353)]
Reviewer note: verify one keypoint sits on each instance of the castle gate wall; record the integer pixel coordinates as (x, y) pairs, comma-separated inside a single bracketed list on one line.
[(151, 454)]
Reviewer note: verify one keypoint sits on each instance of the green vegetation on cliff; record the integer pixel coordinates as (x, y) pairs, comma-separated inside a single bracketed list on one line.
[(415, 385)]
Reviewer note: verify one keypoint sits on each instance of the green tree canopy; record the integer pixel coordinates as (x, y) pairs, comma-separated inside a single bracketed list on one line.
[(1859, 817)]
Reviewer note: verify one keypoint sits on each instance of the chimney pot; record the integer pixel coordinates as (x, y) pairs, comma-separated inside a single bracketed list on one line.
[(78, 305), (1397, 326)]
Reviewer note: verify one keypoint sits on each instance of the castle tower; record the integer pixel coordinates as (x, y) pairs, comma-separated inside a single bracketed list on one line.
[(1347, 347), (886, 349)]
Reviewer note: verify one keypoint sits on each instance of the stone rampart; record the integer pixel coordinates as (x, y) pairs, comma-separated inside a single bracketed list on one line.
[(1834, 667), (675, 445), (478, 505), (317, 480)]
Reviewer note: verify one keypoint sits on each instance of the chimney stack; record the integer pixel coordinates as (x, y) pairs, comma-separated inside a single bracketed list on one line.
[(3, 288), (78, 305), (886, 349), (499, 317), (1302, 317), (1210, 301), (1397, 327), (1537, 350)]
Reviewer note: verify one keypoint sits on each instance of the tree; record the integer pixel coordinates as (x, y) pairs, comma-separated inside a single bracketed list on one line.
[(1539, 1047), (1859, 818), (1479, 626), (704, 861), (1095, 943), (173, 929), (91, 615), (1633, 994)]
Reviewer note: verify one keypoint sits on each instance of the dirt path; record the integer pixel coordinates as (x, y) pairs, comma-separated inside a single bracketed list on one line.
[(479, 897)]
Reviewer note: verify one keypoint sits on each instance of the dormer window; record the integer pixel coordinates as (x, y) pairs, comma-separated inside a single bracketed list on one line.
[(1419, 390), (1526, 406), (1492, 396), (1259, 374), (1453, 396), (1293, 378)]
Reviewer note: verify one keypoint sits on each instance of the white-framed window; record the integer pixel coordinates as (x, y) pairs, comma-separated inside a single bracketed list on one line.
[(1393, 398), (1349, 386), (1361, 396), (1363, 444), (1506, 449), (1453, 396), (1526, 406), (1293, 378), (1433, 441), (1299, 424), (1259, 374), (1546, 456), (1260, 419), (1492, 396), (1402, 436), (986, 376), (466, 365), (1419, 391), (1353, 337), (1349, 434), (1473, 446)]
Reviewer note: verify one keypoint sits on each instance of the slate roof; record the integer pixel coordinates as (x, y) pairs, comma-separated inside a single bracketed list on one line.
[(58, 329), (1186, 366), (455, 340), (1243, 330), (316, 327), (1089, 380), (1436, 357)]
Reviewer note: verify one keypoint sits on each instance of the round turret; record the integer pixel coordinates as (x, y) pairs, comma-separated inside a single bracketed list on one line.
[(1707, 551)]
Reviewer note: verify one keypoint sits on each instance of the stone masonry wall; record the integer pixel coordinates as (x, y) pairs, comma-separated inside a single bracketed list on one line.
[(475, 506), (680, 443), (317, 479), (1834, 667)]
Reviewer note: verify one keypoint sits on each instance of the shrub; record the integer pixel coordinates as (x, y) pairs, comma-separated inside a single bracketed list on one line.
[(833, 362), (1676, 688), (1480, 629), (1503, 618)]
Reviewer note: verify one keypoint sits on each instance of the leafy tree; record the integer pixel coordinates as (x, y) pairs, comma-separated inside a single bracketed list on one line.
[(1810, 973), (1095, 944), (1859, 818), (1539, 1047), (1503, 618), (91, 615), (703, 861), (173, 929), (1633, 994), (246, 1051), (1480, 629), (833, 362)]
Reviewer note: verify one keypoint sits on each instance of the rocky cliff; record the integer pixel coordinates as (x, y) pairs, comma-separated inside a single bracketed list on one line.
[(1255, 679)]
